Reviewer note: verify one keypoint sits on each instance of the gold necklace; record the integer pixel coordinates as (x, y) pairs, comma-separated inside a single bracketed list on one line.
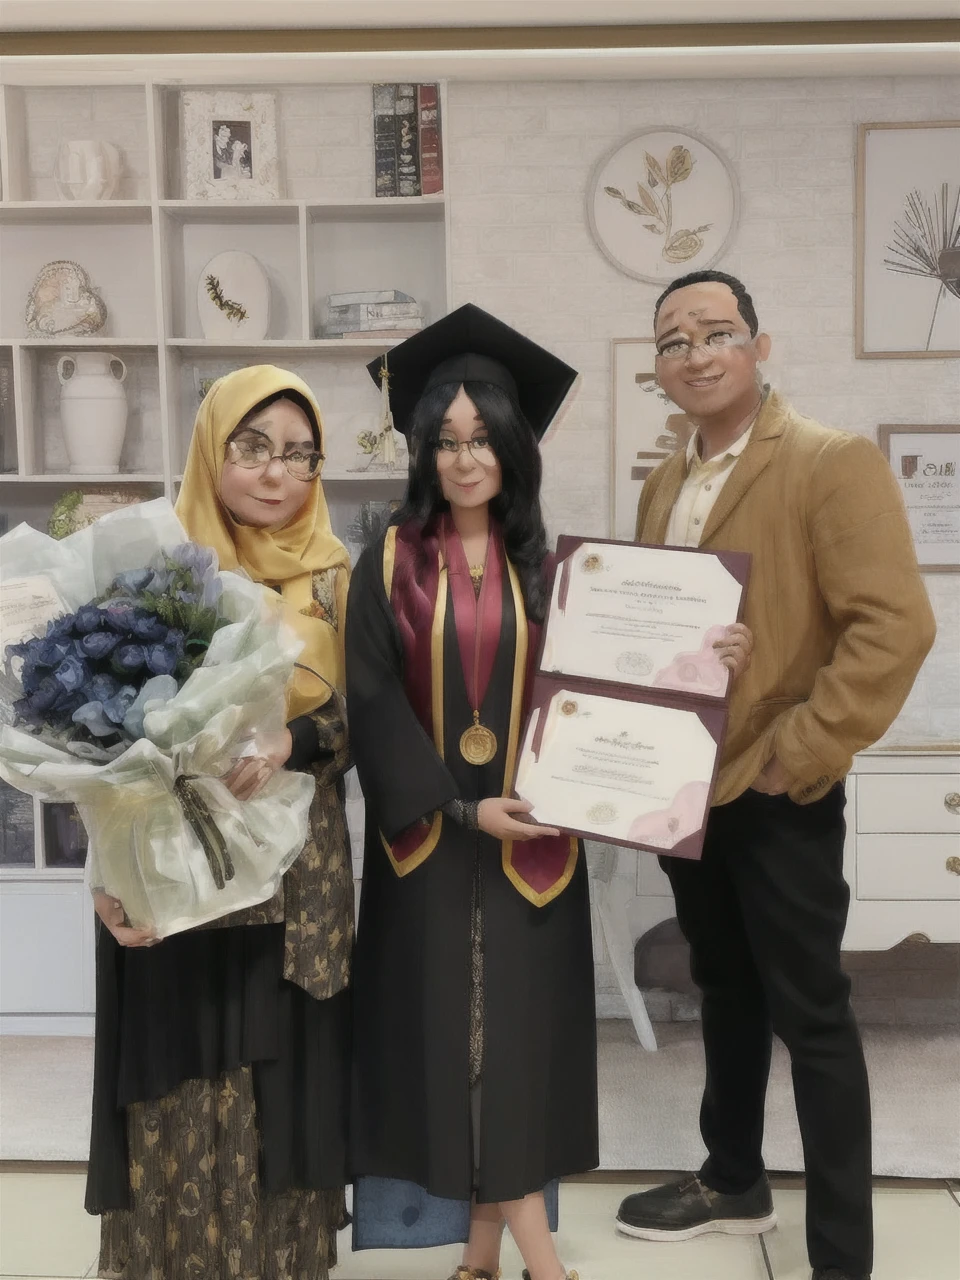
[(478, 744)]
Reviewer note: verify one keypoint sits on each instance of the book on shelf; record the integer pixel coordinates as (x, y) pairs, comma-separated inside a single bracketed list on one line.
[(366, 316), (391, 335), (385, 139), (407, 161), (431, 155), (408, 153), (367, 295)]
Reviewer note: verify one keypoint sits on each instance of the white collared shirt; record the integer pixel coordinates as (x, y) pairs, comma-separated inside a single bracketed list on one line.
[(701, 489)]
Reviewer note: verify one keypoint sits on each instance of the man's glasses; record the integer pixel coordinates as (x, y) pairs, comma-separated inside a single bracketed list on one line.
[(680, 348), (480, 450), (253, 452)]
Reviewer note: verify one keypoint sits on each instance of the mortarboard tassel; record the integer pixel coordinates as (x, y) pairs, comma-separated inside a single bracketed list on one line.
[(388, 449)]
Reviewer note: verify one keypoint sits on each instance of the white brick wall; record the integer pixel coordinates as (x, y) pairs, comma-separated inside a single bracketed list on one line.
[(519, 159)]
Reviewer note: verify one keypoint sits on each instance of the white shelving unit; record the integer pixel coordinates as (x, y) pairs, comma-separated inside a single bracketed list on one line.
[(144, 252)]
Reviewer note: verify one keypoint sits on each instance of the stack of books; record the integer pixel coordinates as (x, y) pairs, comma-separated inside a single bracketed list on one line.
[(373, 313), (406, 140)]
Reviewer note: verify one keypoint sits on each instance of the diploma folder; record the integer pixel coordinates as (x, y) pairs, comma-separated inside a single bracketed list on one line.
[(687, 682)]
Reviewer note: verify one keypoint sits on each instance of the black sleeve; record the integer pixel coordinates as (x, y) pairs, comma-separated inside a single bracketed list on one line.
[(401, 774), (306, 744)]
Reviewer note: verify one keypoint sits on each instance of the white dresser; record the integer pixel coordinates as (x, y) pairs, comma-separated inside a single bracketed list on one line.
[(901, 860), (902, 856)]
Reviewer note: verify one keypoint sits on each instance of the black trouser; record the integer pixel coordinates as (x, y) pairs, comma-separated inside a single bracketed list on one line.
[(764, 913)]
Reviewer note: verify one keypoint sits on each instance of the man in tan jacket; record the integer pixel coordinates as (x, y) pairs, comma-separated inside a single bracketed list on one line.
[(841, 625)]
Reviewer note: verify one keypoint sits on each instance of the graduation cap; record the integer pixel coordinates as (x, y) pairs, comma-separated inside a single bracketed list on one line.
[(470, 345)]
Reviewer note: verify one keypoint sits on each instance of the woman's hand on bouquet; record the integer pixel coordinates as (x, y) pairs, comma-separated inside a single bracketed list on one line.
[(502, 818), (111, 912), (252, 773), (735, 649)]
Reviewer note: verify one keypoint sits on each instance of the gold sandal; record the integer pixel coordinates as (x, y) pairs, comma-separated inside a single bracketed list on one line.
[(474, 1273)]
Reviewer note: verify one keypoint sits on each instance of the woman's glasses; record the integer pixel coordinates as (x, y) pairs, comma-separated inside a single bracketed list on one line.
[(257, 451), (480, 450)]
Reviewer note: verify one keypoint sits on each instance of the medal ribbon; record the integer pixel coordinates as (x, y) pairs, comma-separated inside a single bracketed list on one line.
[(478, 619)]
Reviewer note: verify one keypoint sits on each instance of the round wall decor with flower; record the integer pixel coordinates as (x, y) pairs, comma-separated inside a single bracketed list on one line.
[(663, 203)]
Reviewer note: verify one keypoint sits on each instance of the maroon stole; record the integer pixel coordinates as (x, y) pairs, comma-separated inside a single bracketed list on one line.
[(417, 564)]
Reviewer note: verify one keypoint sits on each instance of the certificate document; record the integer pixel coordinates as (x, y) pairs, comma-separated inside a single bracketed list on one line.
[(632, 772), (629, 702), (644, 616)]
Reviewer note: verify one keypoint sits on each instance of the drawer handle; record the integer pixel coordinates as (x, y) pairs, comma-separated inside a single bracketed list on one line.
[(953, 866), (951, 801)]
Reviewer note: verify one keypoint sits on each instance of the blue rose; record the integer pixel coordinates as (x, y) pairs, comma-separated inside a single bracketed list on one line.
[(162, 659), (87, 619), (119, 615), (50, 652), (99, 644), (90, 716), (196, 559), (148, 627), (127, 659), (116, 708), (72, 674), (101, 688), (63, 626), (133, 581), (44, 696)]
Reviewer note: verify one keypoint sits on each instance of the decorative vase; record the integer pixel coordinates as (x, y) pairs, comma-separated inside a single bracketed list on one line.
[(87, 170), (93, 410)]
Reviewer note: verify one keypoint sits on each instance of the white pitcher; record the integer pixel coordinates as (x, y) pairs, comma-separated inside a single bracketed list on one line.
[(93, 410), (87, 170)]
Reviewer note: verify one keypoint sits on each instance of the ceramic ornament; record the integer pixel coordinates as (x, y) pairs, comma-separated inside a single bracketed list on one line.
[(93, 410), (87, 170), (233, 297)]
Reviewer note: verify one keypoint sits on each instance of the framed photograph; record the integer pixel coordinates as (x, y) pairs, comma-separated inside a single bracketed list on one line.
[(663, 203), (229, 146), (926, 463), (647, 427), (908, 241)]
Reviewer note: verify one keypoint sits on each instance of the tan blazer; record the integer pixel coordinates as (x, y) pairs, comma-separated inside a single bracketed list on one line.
[(838, 609)]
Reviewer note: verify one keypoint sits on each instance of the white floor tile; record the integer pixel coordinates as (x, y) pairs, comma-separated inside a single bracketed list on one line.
[(917, 1236), (587, 1241), (44, 1228)]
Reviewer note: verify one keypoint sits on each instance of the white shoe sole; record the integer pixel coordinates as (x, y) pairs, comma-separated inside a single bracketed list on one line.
[(725, 1226)]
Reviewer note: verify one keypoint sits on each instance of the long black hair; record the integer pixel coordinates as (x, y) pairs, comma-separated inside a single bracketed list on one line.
[(516, 508)]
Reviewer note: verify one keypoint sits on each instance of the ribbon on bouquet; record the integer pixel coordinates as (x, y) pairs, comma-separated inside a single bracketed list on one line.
[(197, 813)]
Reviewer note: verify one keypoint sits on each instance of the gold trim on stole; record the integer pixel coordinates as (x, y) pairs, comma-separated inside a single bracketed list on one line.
[(513, 741), (423, 851)]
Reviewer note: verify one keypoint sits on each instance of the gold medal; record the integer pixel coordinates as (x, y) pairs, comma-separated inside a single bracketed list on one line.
[(478, 744)]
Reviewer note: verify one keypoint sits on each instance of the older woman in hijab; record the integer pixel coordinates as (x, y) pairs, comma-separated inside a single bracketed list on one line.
[(218, 1145)]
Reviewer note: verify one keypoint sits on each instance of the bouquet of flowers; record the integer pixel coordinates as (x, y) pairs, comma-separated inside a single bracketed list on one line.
[(135, 674)]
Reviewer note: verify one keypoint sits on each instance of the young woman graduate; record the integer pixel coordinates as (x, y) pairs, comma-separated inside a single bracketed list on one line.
[(475, 1031), (219, 1112)]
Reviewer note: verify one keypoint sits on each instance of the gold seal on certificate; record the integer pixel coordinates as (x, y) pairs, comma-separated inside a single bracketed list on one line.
[(629, 700)]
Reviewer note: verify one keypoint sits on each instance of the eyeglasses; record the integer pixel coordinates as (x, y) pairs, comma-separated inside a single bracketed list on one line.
[(480, 450), (252, 453), (680, 348)]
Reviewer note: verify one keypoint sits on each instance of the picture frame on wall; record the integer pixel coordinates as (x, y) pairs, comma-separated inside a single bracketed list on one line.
[(647, 427), (908, 241), (663, 202), (926, 463), (229, 146)]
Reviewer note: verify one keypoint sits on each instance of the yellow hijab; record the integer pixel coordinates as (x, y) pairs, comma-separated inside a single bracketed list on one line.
[(286, 558)]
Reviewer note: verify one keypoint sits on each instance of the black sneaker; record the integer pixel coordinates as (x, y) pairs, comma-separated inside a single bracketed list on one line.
[(681, 1210), (837, 1273)]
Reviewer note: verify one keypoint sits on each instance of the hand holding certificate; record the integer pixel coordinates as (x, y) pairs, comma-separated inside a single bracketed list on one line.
[(629, 701)]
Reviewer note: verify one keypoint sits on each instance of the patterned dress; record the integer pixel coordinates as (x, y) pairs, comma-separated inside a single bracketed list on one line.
[(219, 1127)]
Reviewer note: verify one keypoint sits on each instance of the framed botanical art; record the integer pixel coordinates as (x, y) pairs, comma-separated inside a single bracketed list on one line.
[(926, 463), (647, 427), (663, 203), (229, 145), (908, 240)]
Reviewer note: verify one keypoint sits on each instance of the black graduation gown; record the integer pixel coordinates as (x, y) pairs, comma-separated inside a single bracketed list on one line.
[(411, 1095)]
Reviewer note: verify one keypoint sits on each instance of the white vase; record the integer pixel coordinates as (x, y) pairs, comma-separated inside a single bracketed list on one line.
[(87, 170), (93, 410)]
